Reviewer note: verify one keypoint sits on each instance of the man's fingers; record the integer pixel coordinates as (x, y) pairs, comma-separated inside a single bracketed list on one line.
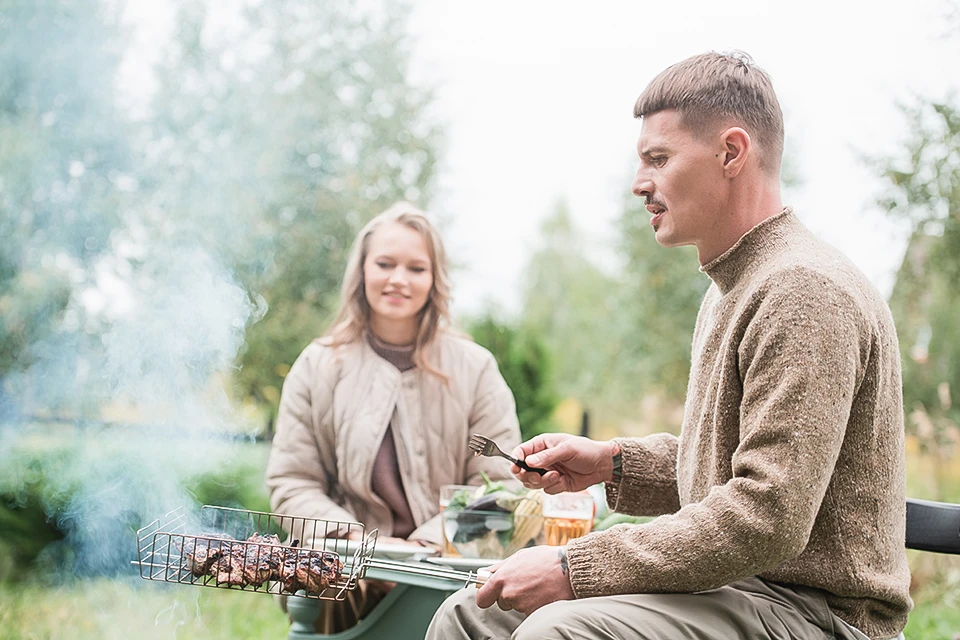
[(535, 481), (489, 593), (541, 442), (551, 456)]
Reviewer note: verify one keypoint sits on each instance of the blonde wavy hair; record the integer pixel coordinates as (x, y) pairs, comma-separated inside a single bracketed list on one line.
[(353, 317)]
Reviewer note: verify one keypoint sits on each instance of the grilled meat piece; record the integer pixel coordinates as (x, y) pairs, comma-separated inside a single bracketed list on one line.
[(201, 552), (228, 568), (262, 558), (310, 570), (250, 562)]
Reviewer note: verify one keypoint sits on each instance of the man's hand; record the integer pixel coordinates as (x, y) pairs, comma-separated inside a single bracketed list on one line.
[(527, 580), (574, 463)]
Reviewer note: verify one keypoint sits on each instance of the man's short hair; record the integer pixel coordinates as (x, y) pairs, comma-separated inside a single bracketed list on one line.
[(713, 89)]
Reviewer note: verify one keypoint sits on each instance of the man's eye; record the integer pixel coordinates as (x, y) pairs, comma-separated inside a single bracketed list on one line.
[(659, 161)]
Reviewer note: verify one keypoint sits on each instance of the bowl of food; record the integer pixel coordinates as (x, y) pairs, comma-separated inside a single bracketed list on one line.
[(492, 521)]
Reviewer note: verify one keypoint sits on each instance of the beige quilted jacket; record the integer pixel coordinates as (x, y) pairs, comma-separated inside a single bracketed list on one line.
[(336, 406)]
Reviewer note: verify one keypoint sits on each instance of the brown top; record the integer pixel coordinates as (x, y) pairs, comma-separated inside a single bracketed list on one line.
[(386, 481), (790, 462)]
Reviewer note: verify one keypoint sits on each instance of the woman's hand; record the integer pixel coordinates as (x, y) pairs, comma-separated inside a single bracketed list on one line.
[(573, 463)]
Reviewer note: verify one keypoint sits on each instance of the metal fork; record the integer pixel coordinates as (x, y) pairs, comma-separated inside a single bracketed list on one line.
[(484, 446)]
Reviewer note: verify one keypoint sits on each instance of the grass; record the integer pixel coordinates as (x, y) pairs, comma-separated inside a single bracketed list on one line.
[(114, 610), (118, 610), (937, 612)]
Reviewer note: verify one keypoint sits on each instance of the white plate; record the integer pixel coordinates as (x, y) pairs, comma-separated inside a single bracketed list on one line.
[(397, 551), (464, 564), (385, 550)]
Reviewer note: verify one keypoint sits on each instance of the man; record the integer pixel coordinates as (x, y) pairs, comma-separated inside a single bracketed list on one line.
[(782, 503)]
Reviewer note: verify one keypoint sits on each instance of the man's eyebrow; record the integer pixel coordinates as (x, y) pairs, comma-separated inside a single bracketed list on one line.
[(649, 151)]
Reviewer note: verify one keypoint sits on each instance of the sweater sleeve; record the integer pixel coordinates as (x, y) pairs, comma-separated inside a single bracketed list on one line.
[(302, 466), (649, 483), (800, 365)]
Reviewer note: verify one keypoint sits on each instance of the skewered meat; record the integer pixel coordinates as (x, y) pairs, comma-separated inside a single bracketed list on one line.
[(310, 570), (262, 562), (258, 559), (251, 562), (199, 554)]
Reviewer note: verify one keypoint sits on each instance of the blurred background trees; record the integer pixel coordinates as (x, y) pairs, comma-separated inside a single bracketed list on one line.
[(269, 140), (274, 142), (65, 162), (923, 187), (526, 367)]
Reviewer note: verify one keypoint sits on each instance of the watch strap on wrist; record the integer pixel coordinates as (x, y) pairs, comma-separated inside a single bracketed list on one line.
[(618, 466)]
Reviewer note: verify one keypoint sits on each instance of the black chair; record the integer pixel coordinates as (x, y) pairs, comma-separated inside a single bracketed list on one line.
[(933, 526)]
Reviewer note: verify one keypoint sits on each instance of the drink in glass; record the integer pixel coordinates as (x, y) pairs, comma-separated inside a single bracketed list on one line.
[(567, 516)]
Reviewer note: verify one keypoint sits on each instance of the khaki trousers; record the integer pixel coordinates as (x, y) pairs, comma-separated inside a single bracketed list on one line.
[(749, 609)]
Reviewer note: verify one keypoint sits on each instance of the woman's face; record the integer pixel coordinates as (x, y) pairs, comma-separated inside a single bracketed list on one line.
[(398, 277)]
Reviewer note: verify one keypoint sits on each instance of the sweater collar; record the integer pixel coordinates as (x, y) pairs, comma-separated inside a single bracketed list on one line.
[(400, 356), (766, 238)]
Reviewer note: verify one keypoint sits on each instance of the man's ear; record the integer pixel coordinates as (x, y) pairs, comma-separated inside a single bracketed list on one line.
[(737, 147)]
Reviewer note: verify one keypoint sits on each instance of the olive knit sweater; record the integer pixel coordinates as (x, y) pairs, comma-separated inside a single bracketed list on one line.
[(790, 461)]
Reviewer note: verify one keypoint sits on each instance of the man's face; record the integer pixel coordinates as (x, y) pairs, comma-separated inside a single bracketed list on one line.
[(681, 178)]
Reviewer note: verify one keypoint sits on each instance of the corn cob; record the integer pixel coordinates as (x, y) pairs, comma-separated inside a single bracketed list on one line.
[(527, 521)]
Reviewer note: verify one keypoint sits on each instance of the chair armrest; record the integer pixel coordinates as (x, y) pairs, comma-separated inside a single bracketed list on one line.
[(933, 526)]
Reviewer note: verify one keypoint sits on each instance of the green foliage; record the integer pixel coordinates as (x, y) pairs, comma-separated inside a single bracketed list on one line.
[(239, 486), (571, 305), (663, 292), (277, 158), (25, 531), (525, 365), (40, 488), (936, 614), (614, 338), (923, 188)]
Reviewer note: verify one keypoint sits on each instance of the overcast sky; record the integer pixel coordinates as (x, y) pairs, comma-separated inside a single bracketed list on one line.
[(538, 99)]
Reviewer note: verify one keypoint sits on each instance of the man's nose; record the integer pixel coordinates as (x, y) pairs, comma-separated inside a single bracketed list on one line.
[(642, 186)]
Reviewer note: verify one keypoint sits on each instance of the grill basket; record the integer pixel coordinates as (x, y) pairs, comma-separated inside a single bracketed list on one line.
[(173, 550)]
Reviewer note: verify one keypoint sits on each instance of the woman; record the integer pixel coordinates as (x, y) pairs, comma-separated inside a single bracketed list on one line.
[(376, 415)]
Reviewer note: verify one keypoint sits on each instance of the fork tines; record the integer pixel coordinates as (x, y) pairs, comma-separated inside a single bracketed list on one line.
[(478, 444)]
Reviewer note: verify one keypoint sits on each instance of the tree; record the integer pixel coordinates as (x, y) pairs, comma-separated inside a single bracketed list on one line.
[(923, 187), (567, 301), (276, 142), (525, 365), (65, 169), (663, 289)]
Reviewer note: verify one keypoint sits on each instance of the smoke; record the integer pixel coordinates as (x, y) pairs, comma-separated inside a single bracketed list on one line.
[(130, 248), (123, 318), (162, 363)]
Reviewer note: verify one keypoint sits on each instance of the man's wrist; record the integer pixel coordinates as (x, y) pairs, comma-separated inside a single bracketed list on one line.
[(616, 474)]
